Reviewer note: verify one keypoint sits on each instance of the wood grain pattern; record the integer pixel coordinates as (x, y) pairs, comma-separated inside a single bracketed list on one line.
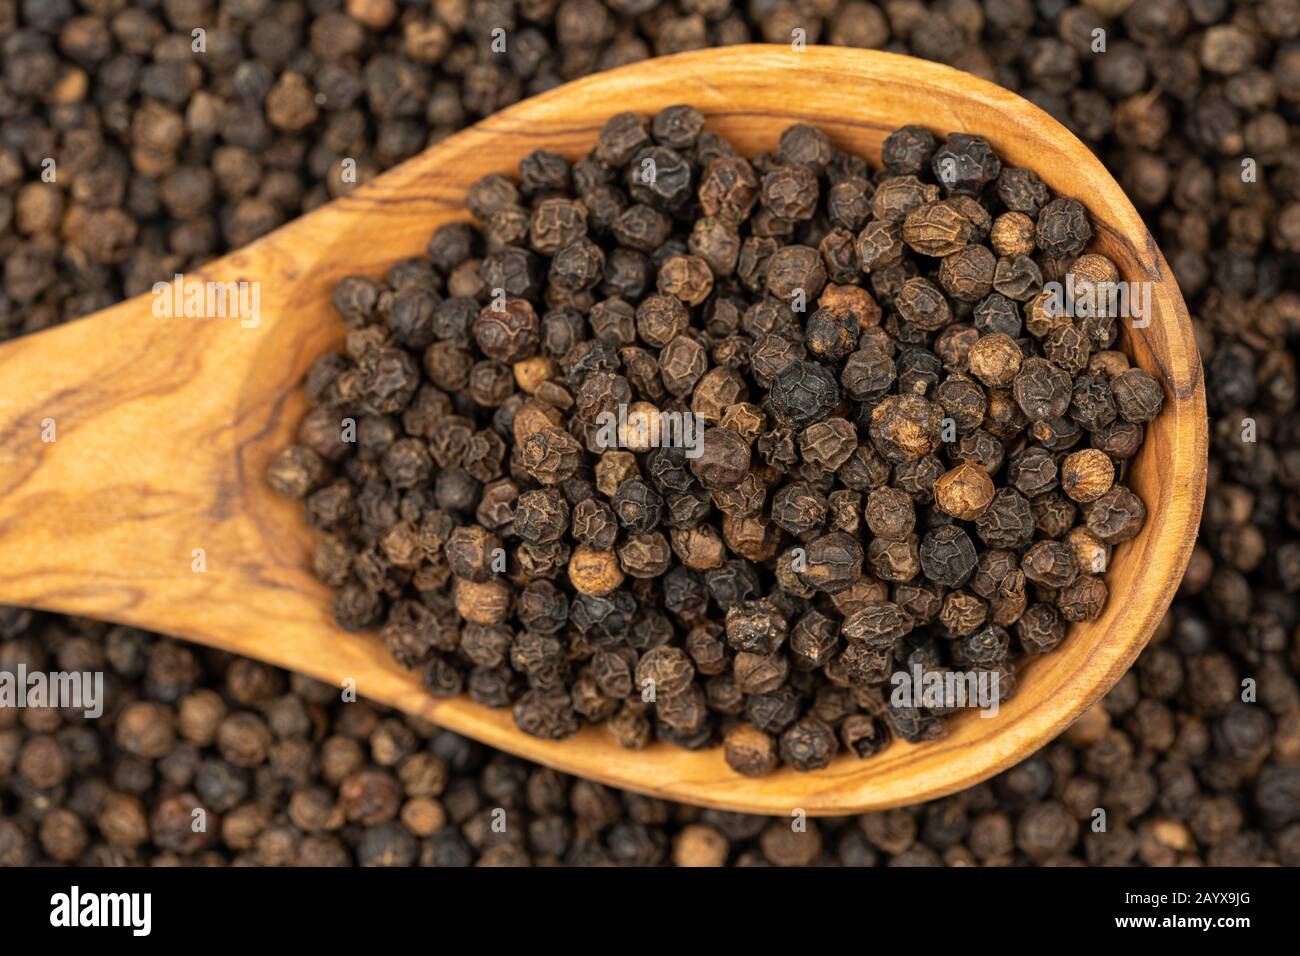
[(165, 426)]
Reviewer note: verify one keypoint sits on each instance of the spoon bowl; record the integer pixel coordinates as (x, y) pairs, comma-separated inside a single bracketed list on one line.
[(133, 447)]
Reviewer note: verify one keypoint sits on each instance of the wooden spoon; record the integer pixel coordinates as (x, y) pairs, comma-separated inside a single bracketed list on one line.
[(163, 427)]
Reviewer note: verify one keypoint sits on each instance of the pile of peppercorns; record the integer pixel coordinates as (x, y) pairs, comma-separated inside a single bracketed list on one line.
[(287, 774), (878, 392), (1183, 94)]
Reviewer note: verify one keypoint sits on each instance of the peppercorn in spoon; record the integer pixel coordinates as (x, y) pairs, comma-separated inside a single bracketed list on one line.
[(136, 441)]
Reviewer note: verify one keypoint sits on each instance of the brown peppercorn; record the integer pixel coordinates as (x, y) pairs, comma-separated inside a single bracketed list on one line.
[(1115, 517), (1087, 475), (1108, 362), (1091, 270), (718, 390), (244, 739), (1120, 439), (615, 467), (728, 189), (1063, 228), (833, 562), (745, 419), (296, 471), (1012, 234), (808, 744), (199, 715), (880, 245), (38, 209), (291, 104), (556, 223), (660, 319), (698, 845), (962, 613), (375, 14), (894, 561), (423, 816), (1050, 564), (1083, 599), (967, 275), (1040, 629), (471, 551), (507, 330), (717, 243), (783, 845), (964, 492), (682, 363), (905, 428), (146, 729), (1138, 395), (1091, 555), (122, 821), (790, 192), (853, 301), (63, 836), (594, 524), (483, 602), (631, 729), (897, 196), (937, 229), (828, 443), (550, 455), (313, 810), (796, 275), (530, 373), (890, 513), (369, 796), (687, 278), (760, 673), (534, 416), (645, 555), (700, 549), (1042, 390), (749, 750), (44, 764), (723, 458), (242, 827), (593, 572)]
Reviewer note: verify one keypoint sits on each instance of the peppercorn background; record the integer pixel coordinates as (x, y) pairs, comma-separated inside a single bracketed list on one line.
[(165, 158)]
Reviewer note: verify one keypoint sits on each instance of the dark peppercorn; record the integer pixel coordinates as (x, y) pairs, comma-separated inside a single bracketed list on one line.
[(965, 164), (1063, 229)]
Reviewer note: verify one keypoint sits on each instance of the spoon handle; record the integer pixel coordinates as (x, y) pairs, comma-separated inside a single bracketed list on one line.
[(123, 462), (133, 442)]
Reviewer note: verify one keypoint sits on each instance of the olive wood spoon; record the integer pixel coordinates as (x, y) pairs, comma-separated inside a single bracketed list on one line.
[(163, 427)]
